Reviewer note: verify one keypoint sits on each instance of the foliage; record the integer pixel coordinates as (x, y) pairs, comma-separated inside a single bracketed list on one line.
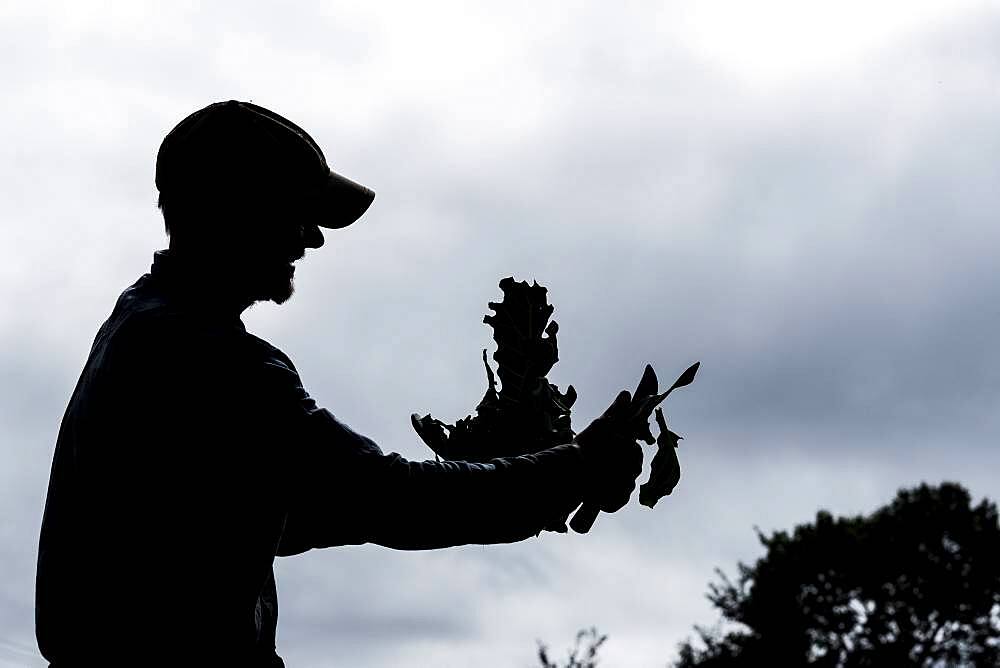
[(578, 657), (917, 582), (528, 413)]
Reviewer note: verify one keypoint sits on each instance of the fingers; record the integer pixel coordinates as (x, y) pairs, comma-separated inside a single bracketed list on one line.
[(584, 518), (615, 461), (620, 405), (618, 500), (616, 419), (621, 476), (636, 460)]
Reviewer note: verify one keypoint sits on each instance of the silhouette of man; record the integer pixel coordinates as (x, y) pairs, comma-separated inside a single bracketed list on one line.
[(190, 455)]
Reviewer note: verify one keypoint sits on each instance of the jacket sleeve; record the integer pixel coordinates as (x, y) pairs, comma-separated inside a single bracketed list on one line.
[(344, 490)]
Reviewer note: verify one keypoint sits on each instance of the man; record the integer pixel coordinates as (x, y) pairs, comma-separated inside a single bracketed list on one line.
[(190, 455)]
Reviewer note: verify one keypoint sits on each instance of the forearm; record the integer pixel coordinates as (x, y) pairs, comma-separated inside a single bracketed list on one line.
[(440, 504), (346, 491)]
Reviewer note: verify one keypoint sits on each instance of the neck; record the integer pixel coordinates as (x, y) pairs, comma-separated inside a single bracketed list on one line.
[(211, 281)]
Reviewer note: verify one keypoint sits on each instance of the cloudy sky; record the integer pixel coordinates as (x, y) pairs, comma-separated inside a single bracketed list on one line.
[(800, 194)]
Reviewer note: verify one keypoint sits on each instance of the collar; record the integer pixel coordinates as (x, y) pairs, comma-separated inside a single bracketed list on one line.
[(190, 293)]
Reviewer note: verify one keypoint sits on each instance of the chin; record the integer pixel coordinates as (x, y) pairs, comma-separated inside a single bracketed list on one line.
[(275, 287), (282, 294)]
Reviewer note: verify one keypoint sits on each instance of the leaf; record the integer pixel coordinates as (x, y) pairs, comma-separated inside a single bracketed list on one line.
[(686, 378), (521, 412), (647, 384), (665, 469)]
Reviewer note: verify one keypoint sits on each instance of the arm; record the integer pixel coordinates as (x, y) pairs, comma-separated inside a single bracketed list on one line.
[(344, 490)]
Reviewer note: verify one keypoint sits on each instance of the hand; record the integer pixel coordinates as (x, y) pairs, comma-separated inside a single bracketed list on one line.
[(612, 457), (625, 422)]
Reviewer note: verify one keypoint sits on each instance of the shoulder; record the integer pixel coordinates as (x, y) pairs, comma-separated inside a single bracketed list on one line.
[(273, 373), (146, 327), (267, 353)]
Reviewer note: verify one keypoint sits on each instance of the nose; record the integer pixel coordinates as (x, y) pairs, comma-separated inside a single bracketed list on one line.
[(311, 236)]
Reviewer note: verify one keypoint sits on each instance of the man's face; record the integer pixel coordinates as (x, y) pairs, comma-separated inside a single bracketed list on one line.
[(279, 235)]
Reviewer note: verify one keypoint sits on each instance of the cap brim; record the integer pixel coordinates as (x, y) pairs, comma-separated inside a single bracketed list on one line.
[(343, 201)]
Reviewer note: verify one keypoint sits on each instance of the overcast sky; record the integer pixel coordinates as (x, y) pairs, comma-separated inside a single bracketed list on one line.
[(801, 195)]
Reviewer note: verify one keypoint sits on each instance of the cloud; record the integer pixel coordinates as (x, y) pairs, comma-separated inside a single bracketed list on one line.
[(815, 226)]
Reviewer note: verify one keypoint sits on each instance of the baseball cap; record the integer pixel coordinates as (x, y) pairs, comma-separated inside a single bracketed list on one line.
[(238, 146)]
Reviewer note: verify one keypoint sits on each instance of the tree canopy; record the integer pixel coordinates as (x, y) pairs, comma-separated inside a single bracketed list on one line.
[(583, 655), (917, 582)]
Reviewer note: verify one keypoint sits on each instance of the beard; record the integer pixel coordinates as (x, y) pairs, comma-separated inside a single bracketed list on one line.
[(275, 284)]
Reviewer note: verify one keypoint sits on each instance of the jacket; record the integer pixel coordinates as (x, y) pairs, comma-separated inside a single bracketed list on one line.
[(190, 456)]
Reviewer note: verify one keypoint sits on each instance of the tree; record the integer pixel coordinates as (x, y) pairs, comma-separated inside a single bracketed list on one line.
[(578, 657), (917, 582)]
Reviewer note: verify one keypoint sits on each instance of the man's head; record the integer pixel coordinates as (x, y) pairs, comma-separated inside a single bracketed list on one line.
[(246, 190)]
